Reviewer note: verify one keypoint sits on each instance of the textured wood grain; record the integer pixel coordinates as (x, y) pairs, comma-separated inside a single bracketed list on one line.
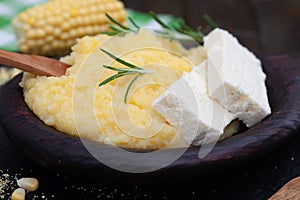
[(57, 151), (290, 191), (37, 65)]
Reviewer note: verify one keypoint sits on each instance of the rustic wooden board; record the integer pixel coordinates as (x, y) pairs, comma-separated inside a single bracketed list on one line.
[(56, 151)]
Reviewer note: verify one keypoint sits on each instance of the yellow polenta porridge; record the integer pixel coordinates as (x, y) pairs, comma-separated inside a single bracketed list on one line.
[(74, 102)]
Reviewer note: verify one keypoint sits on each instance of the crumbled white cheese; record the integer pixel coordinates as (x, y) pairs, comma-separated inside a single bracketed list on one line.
[(235, 77), (230, 84), (187, 106)]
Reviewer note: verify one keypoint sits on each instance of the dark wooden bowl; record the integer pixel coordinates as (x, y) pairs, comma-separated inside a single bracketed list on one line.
[(62, 153)]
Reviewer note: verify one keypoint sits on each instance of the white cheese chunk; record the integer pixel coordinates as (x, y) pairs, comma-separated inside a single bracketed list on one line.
[(187, 106), (235, 77)]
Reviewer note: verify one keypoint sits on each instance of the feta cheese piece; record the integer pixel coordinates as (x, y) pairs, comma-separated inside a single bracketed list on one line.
[(187, 106), (235, 77)]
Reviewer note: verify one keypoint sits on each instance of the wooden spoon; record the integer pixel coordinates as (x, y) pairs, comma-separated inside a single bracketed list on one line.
[(33, 64), (290, 191)]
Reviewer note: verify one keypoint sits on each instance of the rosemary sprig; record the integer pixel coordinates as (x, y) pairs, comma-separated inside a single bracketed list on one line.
[(131, 70), (116, 22), (118, 28), (133, 23), (209, 21), (179, 26), (177, 29)]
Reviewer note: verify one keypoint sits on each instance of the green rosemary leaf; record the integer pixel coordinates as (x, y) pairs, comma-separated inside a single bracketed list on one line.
[(133, 23), (109, 33), (186, 27), (114, 28), (209, 21), (129, 87), (127, 70), (111, 78), (111, 68), (156, 18), (120, 60), (201, 35), (181, 27), (176, 23), (132, 70), (116, 22)]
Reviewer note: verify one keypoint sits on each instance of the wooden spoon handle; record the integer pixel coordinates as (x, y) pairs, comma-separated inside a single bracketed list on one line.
[(290, 191), (34, 64)]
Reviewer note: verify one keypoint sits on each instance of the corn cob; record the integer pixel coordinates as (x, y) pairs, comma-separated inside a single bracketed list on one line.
[(51, 28)]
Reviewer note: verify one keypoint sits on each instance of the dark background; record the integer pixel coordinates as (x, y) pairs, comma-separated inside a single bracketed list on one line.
[(264, 26)]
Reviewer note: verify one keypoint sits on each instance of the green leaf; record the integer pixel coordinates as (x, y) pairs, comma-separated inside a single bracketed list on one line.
[(120, 60), (116, 22), (156, 18), (133, 23), (111, 79), (114, 28), (129, 87), (109, 33), (128, 70), (209, 21)]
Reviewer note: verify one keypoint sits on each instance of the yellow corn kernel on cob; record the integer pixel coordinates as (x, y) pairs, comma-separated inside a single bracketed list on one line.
[(51, 28)]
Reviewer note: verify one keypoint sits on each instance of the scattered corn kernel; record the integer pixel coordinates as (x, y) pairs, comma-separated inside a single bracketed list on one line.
[(18, 194), (72, 19), (29, 184)]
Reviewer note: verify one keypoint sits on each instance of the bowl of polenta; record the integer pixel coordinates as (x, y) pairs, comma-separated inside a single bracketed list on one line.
[(143, 93)]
